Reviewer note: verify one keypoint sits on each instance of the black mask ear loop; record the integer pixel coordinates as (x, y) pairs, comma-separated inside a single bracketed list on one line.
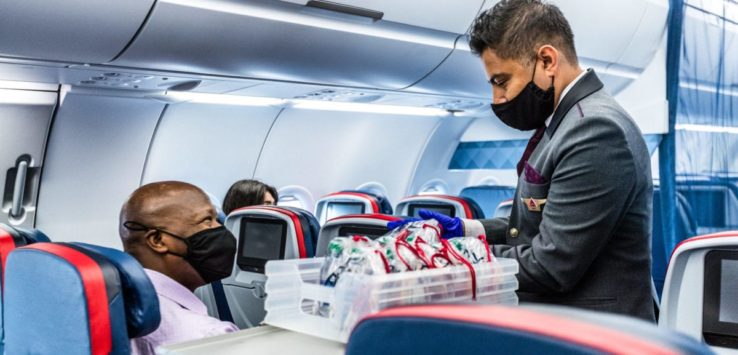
[(533, 77), (140, 227)]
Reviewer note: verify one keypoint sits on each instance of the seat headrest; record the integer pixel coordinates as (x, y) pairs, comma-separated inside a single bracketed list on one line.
[(383, 204), (305, 225), (220, 216), (504, 208), (12, 237), (713, 241), (463, 207), (370, 202), (488, 197), (369, 219), (310, 228), (23, 236), (142, 305), (467, 329), (67, 298)]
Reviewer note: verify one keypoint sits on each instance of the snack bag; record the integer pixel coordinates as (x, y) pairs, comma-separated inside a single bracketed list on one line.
[(354, 254)]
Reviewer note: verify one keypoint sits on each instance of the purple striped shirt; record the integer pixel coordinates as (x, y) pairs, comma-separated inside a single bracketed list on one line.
[(183, 317)]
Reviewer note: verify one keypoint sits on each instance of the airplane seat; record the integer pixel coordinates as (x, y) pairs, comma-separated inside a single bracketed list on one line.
[(264, 233), (220, 216), (489, 197), (11, 238), (213, 295), (473, 329), (76, 299), (452, 206), (504, 208), (368, 225), (684, 228), (351, 202), (701, 288), (717, 201)]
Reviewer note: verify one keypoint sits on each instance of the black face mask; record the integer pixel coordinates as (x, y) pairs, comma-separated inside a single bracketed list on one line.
[(211, 252), (530, 109)]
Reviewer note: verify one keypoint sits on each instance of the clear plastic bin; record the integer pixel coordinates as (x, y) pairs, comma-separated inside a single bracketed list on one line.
[(296, 300)]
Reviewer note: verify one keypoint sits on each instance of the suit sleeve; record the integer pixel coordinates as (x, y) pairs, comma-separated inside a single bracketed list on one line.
[(495, 229), (591, 188)]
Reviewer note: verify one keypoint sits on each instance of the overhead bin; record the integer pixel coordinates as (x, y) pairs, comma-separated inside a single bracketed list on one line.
[(619, 41), (277, 40), (72, 30), (647, 37), (442, 15), (461, 74), (625, 32)]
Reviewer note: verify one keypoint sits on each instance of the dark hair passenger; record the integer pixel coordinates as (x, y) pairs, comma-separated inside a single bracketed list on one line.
[(249, 193)]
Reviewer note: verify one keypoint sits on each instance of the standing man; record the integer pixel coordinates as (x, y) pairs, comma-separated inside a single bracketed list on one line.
[(580, 226)]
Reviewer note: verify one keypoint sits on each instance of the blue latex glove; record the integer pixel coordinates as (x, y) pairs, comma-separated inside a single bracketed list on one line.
[(399, 223), (450, 227)]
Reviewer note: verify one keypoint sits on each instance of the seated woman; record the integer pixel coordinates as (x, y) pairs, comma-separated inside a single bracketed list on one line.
[(249, 193)]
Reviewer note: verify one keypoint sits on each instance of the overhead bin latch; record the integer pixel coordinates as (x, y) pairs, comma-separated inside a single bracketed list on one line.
[(346, 9)]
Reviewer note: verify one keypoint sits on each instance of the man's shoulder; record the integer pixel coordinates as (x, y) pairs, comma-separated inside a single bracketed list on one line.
[(601, 103), (598, 113), (179, 324), (598, 121)]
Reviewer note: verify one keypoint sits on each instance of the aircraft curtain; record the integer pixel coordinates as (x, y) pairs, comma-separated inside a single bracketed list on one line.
[(698, 160)]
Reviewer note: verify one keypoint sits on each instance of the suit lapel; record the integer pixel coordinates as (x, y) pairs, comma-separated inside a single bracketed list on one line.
[(588, 85)]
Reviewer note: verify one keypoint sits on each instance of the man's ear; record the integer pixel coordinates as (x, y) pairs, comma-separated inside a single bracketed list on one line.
[(550, 57), (155, 242)]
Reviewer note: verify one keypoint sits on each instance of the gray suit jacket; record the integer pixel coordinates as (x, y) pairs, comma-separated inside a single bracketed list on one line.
[(585, 239)]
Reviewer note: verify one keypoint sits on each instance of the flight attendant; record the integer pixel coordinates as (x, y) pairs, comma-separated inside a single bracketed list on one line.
[(580, 225)]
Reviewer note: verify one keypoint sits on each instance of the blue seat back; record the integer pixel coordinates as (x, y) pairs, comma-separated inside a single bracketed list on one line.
[(11, 238), (660, 249), (244, 289), (713, 200), (467, 329), (488, 197), (74, 299)]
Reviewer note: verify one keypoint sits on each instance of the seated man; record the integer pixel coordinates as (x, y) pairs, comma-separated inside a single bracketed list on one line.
[(171, 229)]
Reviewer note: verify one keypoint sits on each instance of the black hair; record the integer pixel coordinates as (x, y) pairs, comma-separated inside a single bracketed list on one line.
[(515, 29), (247, 193)]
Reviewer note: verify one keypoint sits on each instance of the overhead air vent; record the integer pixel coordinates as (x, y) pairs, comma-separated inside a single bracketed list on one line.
[(119, 80), (459, 105), (341, 96)]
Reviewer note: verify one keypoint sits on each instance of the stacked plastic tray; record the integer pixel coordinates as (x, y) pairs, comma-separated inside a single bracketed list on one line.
[(296, 300)]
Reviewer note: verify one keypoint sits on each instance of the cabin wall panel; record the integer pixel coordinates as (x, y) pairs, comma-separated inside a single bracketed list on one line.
[(210, 146), (94, 160), (330, 151)]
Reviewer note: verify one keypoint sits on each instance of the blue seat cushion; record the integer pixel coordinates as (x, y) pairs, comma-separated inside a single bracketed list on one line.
[(141, 301)]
